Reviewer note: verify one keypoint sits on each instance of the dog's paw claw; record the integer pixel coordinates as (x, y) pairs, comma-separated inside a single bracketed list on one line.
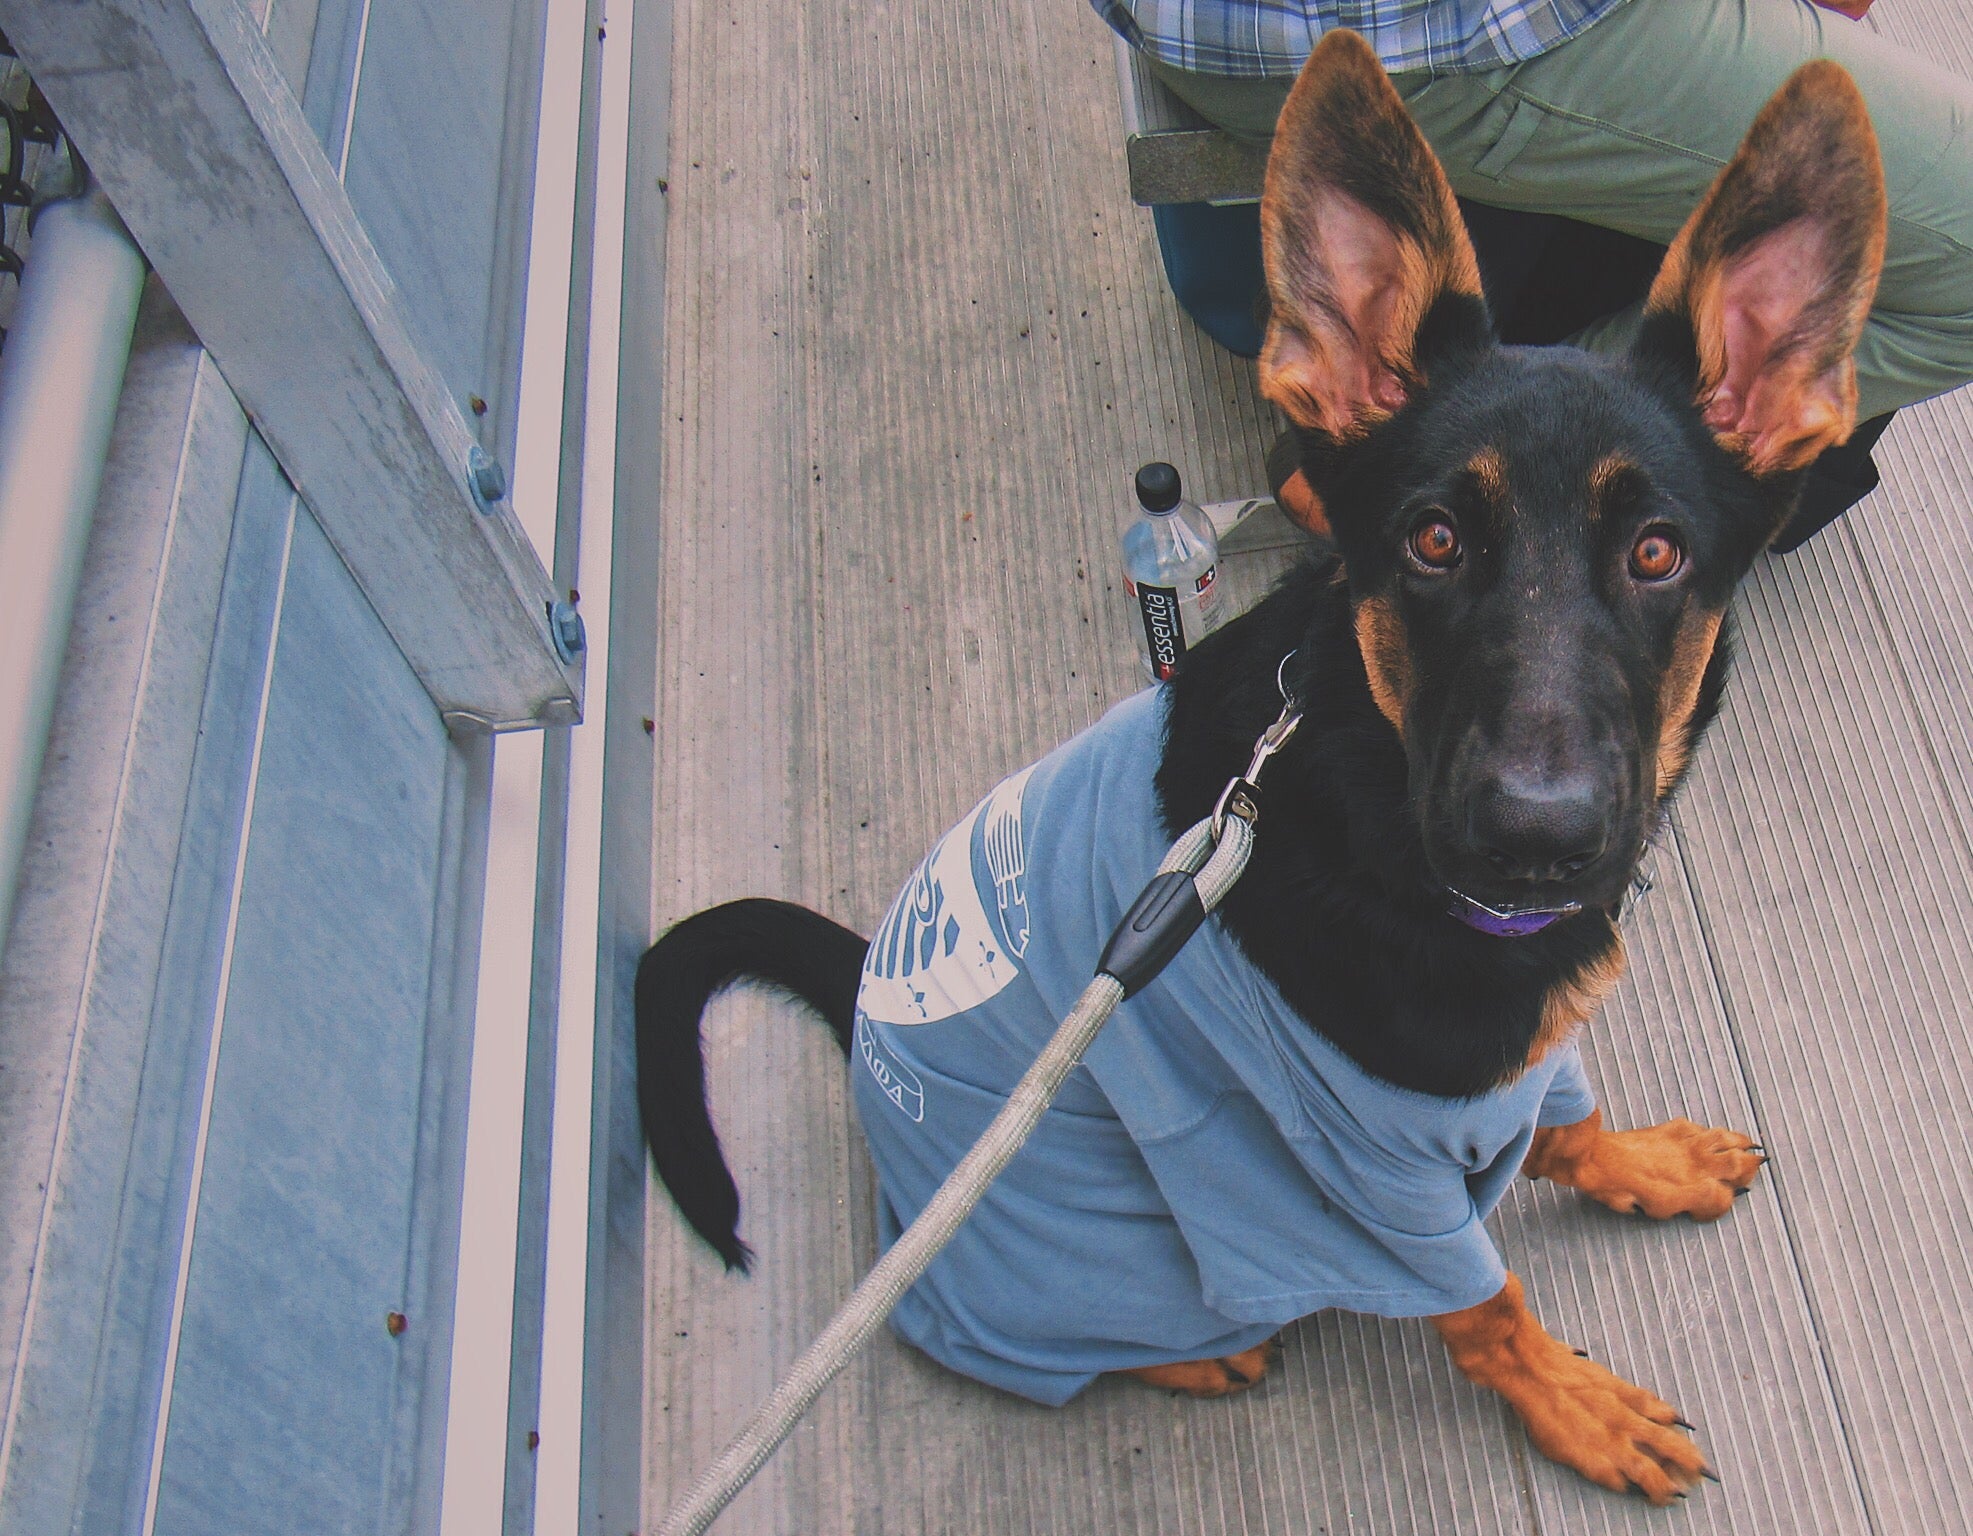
[(1615, 1433), (1675, 1169)]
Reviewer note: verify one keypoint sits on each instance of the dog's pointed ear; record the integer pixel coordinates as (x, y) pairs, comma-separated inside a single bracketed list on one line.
[(1361, 235), (1775, 272)]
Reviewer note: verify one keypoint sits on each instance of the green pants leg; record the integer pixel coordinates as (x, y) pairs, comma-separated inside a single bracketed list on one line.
[(1627, 125)]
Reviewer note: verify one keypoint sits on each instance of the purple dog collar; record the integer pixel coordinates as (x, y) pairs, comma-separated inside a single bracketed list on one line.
[(1505, 922)]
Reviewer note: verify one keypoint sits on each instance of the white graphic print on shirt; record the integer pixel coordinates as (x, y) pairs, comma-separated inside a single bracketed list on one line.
[(939, 951)]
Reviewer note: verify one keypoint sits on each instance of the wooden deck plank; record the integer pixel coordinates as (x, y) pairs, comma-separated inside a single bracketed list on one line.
[(1715, 1318), (1828, 851)]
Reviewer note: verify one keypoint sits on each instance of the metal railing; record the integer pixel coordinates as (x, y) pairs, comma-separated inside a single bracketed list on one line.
[(61, 373)]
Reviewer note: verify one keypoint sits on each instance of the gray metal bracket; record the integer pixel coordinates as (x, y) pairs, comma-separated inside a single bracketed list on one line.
[(183, 115), (1175, 155)]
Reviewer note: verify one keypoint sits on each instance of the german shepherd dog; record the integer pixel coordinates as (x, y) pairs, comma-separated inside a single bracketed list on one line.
[(1504, 668)]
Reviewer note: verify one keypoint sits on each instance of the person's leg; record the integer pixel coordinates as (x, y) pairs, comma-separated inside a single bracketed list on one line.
[(1244, 108), (1627, 125), (1212, 254)]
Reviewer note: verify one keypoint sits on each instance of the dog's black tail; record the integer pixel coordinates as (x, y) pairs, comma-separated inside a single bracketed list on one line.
[(772, 941)]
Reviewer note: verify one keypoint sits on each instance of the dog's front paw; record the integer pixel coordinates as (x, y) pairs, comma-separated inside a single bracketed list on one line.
[(1613, 1432), (1674, 1169)]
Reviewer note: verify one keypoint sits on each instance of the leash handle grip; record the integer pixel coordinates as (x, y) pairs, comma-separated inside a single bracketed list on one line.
[(1166, 913)]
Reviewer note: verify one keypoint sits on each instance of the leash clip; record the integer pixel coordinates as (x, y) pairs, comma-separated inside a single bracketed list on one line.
[(1240, 797), (1237, 799)]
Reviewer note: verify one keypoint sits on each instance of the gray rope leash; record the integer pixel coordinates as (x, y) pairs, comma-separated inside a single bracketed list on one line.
[(1196, 874)]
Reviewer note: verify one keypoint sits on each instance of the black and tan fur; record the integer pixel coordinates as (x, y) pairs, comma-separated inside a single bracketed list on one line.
[(1507, 717)]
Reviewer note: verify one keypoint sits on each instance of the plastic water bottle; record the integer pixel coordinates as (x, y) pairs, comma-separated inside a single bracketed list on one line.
[(1171, 571)]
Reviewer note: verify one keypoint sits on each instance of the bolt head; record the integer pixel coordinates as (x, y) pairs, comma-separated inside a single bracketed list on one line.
[(566, 629), (487, 478)]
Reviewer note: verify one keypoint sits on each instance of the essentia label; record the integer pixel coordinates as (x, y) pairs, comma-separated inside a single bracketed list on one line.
[(1174, 623)]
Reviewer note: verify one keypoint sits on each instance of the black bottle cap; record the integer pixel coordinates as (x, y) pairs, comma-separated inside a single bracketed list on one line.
[(1157, 487)]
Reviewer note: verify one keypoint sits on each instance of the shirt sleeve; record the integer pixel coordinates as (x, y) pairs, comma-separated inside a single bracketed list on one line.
[(1569, 1097)]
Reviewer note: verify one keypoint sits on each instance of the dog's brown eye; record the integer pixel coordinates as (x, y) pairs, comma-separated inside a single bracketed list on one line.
[(1435, 545), (1657, 555)]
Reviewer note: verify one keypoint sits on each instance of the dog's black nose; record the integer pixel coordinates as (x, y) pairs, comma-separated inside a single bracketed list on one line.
[(1539, 828)]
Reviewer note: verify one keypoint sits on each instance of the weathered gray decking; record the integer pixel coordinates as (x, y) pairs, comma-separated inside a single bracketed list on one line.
[(917, 340)]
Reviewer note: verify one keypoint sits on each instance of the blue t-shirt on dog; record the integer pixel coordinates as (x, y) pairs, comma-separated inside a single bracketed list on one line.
[(1213, 1170)]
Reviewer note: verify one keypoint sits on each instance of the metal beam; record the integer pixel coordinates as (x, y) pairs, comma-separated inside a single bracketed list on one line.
[(59, 381), (1193, 165), (629, 330), (185, 118)]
